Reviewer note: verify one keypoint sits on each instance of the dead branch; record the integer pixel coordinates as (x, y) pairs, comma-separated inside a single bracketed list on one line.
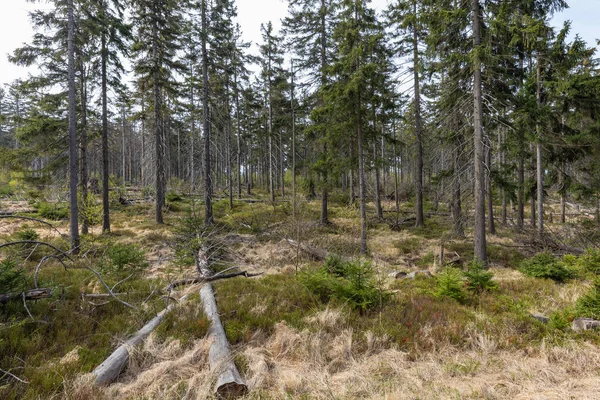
[(13, 376), (34, 294), (37, 243), (108, 289), (3, 216), (43, 260), (193, 281)]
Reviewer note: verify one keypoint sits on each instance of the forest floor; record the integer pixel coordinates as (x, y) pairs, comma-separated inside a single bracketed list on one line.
[(288, 341)]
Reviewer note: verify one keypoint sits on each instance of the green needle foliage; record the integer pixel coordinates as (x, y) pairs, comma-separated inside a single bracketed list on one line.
[(545, 265), (479, 279), (450, 283), (352, 282)]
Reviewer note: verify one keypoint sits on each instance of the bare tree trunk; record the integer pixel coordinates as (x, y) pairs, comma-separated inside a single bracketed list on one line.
[(229, 383), (490, 193), (323, 41), (83, 144), (361, 182), (105, 170), (480, 239), (457, 221), (420, 220), (396, 199), (208, 212), (540, 170), (377, 183), (238, 138), (293, 143), (158, 131), (74, 225)]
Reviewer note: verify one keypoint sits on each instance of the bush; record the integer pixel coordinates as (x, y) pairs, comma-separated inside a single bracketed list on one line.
[(589, 262), (479, 279), (350, 281), (121, 256), (588, 305), (89, 209), (53, 212), (26, 233), (545, 265), (450, 283), (12, 278), (171, 196)]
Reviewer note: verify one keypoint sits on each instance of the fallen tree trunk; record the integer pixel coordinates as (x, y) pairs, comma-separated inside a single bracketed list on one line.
[(34, 294), (112, 367), (317, 254), (229, 382)]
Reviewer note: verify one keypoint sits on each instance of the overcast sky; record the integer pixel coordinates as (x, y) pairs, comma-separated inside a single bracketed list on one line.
[(15, 28)]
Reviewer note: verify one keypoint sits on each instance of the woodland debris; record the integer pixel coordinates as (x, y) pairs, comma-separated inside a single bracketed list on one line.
[(411, 275), (34, 294), (585, 324), (111, 368), (229, 381), (542, 318)]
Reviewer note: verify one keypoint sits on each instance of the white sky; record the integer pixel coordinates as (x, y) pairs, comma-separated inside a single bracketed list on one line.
[(15, 28)]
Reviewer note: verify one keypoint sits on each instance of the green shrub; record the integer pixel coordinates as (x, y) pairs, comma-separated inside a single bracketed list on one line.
[(89, 209), (53, 212), (450, 283), (171, 196), (349, 281), (12, 278), (125, 256), (589, 261), (545, 265), (26, 233), (479, 279), (588, 305)]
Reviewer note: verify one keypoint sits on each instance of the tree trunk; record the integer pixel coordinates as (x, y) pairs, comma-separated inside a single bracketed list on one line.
[(73, 222), (420, 220), (540, 170), (456, 189), (111, 368), (229, 383), (83, 145), (293, 143), (377, 183), (490, 193), (480, 239), (158, 130), (208, 212)]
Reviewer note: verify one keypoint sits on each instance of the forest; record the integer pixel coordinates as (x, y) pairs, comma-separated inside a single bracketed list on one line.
[(398, 203)]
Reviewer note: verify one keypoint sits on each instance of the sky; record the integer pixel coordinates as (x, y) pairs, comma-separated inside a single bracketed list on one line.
[(15, 28)]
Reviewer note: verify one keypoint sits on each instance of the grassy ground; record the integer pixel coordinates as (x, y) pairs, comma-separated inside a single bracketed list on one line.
[(289, 342)]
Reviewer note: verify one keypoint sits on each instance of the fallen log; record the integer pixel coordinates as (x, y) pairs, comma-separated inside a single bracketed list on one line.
[(229, 382), (34, 294), (317, 254), (111, 368), (584, 324)]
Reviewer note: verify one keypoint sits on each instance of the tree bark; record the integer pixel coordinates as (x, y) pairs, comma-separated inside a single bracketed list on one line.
[(480, 239), (74, 225), (111, 368), (229, 383), (208, 212), (420, 220), (540, 170)]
